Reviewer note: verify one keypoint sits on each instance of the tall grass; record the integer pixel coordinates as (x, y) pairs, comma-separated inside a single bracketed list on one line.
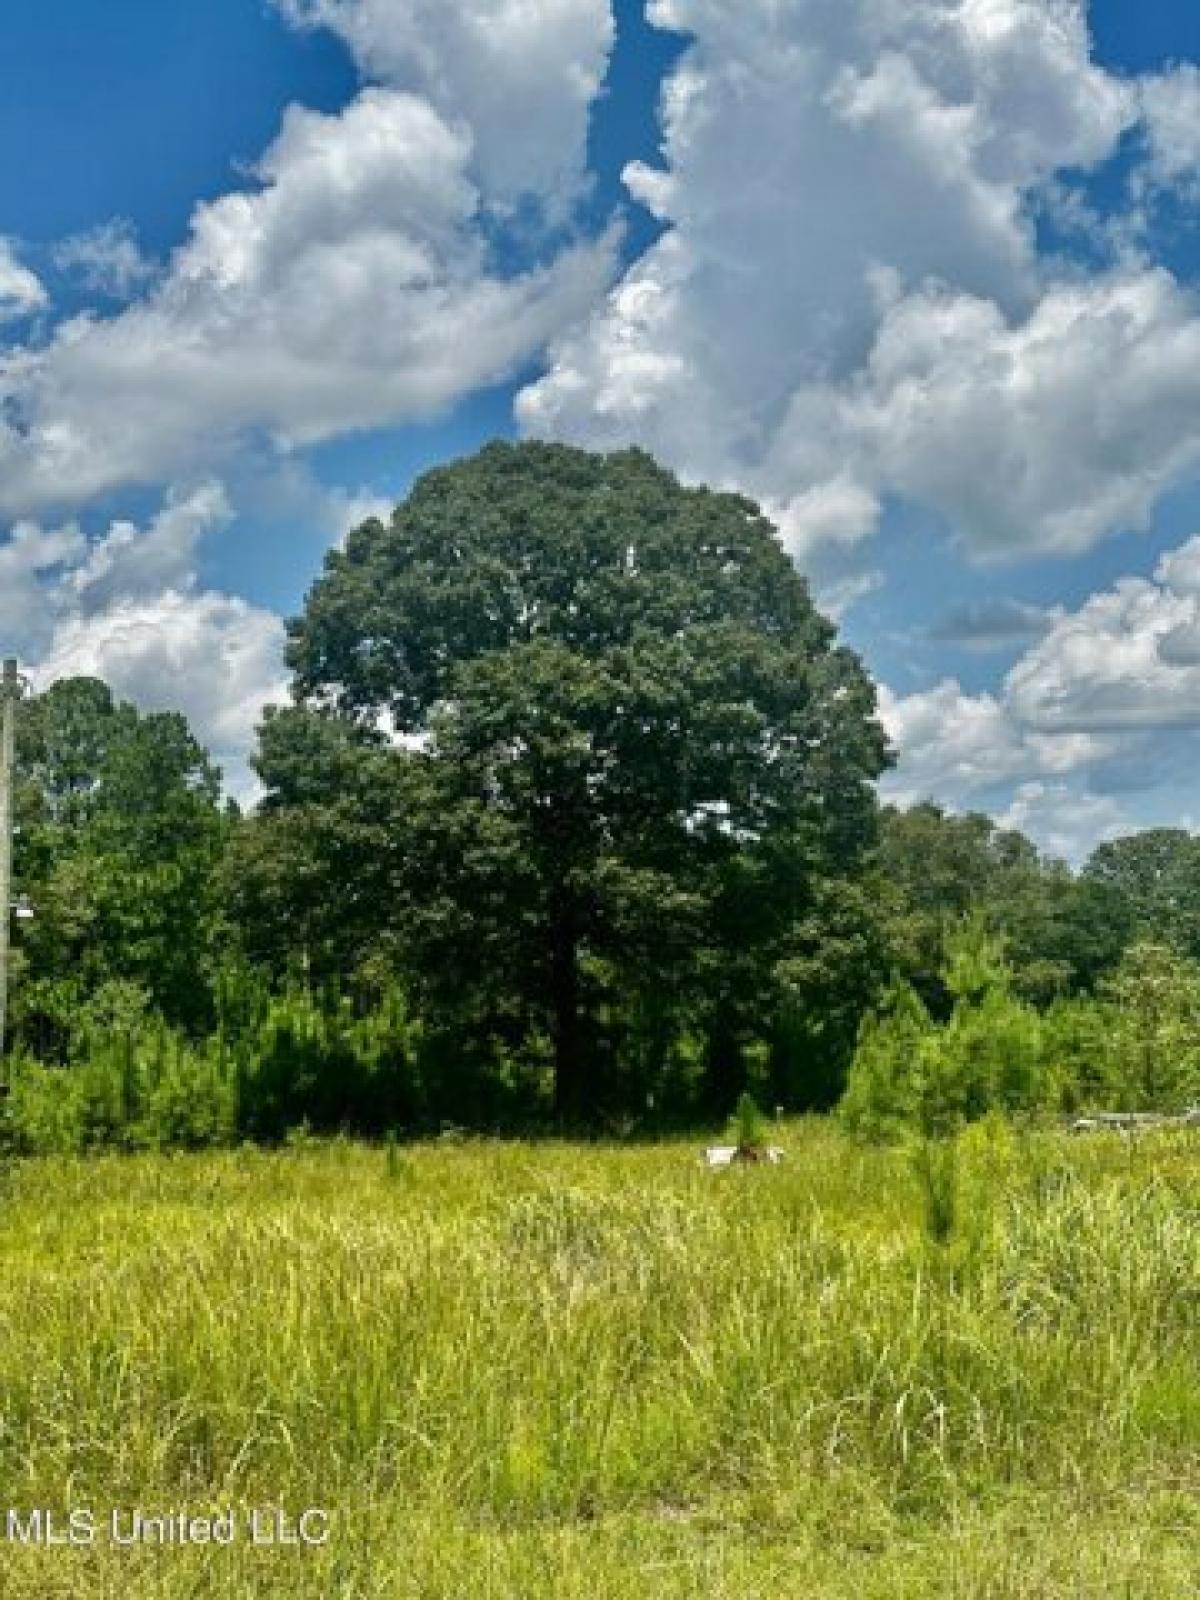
[(522, 1371)]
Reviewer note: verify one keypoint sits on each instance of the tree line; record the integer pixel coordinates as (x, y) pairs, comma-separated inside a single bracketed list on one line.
[(573, 817)]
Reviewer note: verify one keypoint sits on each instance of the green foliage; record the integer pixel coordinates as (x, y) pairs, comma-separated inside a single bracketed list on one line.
[(748, 1126), (1154, 1041), (120, 836), (1081, 1067), (320, 1066), (988, 1057), (885, 1092), (908, 1073), (637, 761), (975, 965), (572, 816), (1154, 876), (1062, 933), (150, 1090), (831, 971), (394, 1164), (1134, 1047), (299, 1061)]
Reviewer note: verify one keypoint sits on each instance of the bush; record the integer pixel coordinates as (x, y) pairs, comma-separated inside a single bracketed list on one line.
[(935, 1165), (988, 1057), (885, 1091), (146, 1091), (132, 1082), (320, 1065), (907, 1073), (748, 1126), (1136, 1046), (1154, 1048), (1080, 1065)]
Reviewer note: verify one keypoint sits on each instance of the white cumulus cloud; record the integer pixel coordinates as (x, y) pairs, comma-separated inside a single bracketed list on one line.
[(953, 745), (1067, 823), (127, 606), (849, 302), (1038, 436), (349, 288), (107, 260), (521, 73), (212, 656), (1171, 112), (21, 291), (1092, 712), (1129, 658)]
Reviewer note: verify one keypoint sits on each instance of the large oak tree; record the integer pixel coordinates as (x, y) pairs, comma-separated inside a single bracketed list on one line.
[(594, 751)]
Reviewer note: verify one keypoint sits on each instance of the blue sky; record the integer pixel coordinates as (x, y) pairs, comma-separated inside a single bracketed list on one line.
[(920, 276)]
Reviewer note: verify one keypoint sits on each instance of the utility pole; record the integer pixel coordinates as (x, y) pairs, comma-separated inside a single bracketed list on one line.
[(10, 688)]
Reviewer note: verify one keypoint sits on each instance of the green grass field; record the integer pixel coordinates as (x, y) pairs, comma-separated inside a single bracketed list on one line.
[(603, 1373)]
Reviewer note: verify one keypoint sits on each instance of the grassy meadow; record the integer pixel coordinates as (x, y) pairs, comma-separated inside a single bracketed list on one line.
[(533, 1371)]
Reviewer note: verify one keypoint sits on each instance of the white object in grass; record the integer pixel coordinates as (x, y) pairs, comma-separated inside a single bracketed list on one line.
[(724, 1155), (720, 1155)]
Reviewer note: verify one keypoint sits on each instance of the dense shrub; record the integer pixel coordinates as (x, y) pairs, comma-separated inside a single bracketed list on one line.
[(886, 1092), (146, 1090), (295, 1062), (1153, 1002), (1135, 1045), (320, 1065)]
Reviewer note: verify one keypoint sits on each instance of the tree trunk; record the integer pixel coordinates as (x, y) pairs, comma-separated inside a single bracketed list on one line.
[(569, 1085), (725, 1066)]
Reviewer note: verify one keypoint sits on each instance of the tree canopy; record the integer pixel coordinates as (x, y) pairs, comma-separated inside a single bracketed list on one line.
[(120, 833), (628, 753)]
